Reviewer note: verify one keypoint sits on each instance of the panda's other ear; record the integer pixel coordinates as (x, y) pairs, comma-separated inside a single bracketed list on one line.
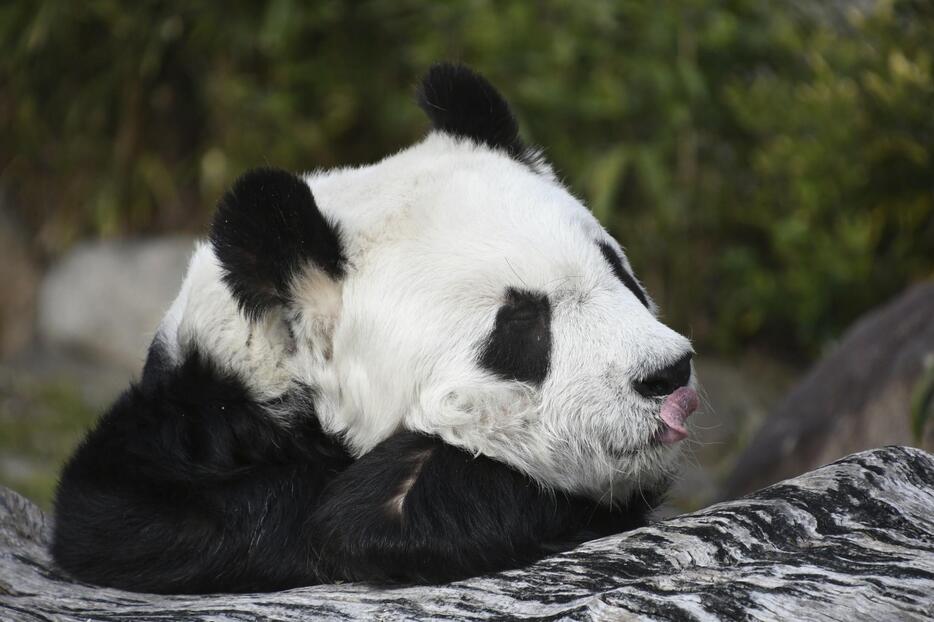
[(463, 103), (267, 230)]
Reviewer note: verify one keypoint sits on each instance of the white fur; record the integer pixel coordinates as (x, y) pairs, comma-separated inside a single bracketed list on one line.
[(434, 236), (205, 316)]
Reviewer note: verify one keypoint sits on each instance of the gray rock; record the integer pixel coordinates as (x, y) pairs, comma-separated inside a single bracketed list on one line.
[(851, 541), (105, 299), (857, 397)]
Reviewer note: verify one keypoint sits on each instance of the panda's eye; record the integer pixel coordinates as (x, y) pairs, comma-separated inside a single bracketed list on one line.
[(523, 308), (617, 266), (519, 346)]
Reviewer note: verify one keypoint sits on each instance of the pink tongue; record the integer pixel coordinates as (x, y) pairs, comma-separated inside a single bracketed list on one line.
[(676, 408)]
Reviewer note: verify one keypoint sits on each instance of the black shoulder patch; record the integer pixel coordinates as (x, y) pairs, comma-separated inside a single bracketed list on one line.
[(620, 272), (188, 485), (266, 228), (519, 348), (463, 103)]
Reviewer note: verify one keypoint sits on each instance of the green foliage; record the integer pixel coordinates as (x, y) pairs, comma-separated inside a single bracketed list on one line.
[(33, 455), (768, 165)]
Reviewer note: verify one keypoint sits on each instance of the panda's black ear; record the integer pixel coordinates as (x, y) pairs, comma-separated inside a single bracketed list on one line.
[(266, 231), (463, 103)]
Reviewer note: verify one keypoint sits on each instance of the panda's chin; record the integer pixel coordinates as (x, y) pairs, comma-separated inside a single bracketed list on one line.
[(655, 446), (651, 444), (670, 429)]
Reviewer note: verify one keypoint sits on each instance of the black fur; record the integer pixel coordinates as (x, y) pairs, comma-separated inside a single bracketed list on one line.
[(188, 486), (461, 515), (463, 103), (519, 346), (620, 272), (266, 229)]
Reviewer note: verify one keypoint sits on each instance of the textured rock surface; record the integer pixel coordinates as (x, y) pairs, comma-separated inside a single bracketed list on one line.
[(857, 397), (107, 298), (850, 541)]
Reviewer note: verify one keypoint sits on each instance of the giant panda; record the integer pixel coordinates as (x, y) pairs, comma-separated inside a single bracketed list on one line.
[(419, 370)]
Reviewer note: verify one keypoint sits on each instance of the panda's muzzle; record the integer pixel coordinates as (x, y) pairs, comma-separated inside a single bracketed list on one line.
[(671, 382)]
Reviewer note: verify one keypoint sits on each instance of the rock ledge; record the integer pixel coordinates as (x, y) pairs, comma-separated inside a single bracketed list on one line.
[(850, 541)]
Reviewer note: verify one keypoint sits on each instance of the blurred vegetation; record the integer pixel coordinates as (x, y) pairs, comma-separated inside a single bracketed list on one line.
[(922, 405), (770, 166), (32, 455)]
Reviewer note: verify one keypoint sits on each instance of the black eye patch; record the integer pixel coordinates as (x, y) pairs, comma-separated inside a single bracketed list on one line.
[(613, 259), (519, 347)]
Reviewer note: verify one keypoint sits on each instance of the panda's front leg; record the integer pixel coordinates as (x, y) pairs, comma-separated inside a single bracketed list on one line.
[(415, 509)]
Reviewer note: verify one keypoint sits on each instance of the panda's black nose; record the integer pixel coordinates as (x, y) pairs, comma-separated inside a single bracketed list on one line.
[(666, 380)]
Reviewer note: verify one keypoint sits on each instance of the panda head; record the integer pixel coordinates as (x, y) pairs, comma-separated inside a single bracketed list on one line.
[(455, 288)]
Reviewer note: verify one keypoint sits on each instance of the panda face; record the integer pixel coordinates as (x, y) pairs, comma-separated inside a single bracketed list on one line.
[(486, 305), (455, 288)]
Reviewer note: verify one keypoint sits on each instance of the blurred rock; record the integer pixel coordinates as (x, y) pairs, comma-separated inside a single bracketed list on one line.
[(858, 397), (105, 299), (736, 397), (19, 278)]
